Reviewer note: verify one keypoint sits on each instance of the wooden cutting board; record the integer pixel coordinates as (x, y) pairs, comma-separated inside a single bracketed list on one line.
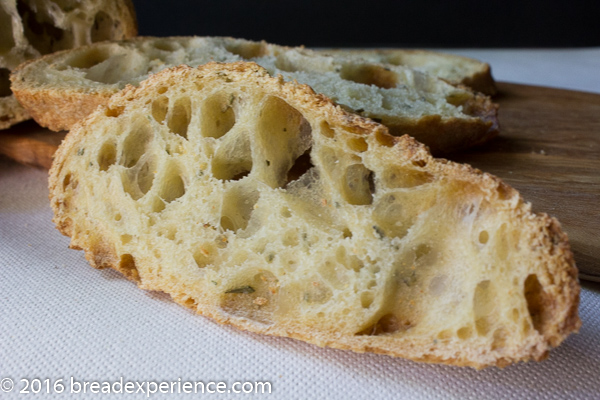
[(548, 149)]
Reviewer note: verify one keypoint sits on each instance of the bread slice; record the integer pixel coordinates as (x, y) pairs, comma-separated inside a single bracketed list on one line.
[(60, 89), (263, 205), (31, 28), (454, 69)]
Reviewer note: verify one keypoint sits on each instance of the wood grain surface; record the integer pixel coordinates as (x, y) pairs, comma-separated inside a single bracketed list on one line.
[(548, 149)]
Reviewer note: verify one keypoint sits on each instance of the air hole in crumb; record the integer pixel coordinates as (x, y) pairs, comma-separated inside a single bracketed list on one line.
[(114, 112), (128, 268), (160, 106), (237, 208), (190, 303), (395, 213), (358, 144), (66, 181), (135, 145), (41, 32), (326, 130), (445, 334), (358, 185), (515, 315), (178, 119), (217, 115), (284, 137), (118, 217), (419, 163), (366, 299), (484, 303), (286, 213), (166, 45), (86, 59), (4, 80), (464, 333), (370, 74), (103, 27), (233, 159), (504, 191), (538, 302), (384, 138), (107, 156), (346, 233), (172, 186), (145, 175), (299, 168), (421, 251), (394, 177), (126, 238), (247, 50), (484, 236)]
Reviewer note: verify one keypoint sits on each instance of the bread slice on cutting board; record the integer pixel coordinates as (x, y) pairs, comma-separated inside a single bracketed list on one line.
[(31, 28), (258, 203), (60, 89)]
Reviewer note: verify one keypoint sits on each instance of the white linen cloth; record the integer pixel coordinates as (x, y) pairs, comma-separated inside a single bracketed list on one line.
[(62, 319)]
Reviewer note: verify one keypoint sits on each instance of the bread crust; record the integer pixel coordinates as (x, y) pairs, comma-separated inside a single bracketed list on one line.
[(551, 260), (11, 112)]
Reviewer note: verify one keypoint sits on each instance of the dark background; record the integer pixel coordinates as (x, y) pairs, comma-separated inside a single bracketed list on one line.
[(433, 23)]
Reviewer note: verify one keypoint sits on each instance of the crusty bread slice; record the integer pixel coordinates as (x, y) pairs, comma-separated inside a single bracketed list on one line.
[(31, 28), (263, 205), (455, 69), (60, 89)]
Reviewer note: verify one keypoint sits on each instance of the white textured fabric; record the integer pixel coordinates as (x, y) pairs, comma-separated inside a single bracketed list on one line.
[(60, 318)]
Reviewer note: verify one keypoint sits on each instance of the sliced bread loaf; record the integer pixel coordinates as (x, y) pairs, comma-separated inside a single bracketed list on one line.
[(31, 28), (60, 89), (258, 203)]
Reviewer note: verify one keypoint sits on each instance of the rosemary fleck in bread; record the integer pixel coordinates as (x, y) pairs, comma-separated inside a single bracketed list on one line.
[(60, 89), (258, 203), (31, 28), (457, 70)]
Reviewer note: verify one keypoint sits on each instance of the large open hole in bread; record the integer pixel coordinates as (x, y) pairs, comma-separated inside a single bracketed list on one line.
[(4, 83), (7, 40), (103, 27), (40, 30), (370, 74)]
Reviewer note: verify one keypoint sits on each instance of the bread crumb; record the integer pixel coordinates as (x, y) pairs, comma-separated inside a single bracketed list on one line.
[(261, 301)]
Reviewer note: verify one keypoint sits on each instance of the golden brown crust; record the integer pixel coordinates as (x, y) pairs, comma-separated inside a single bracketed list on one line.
[(554, 291), (55, 110)]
